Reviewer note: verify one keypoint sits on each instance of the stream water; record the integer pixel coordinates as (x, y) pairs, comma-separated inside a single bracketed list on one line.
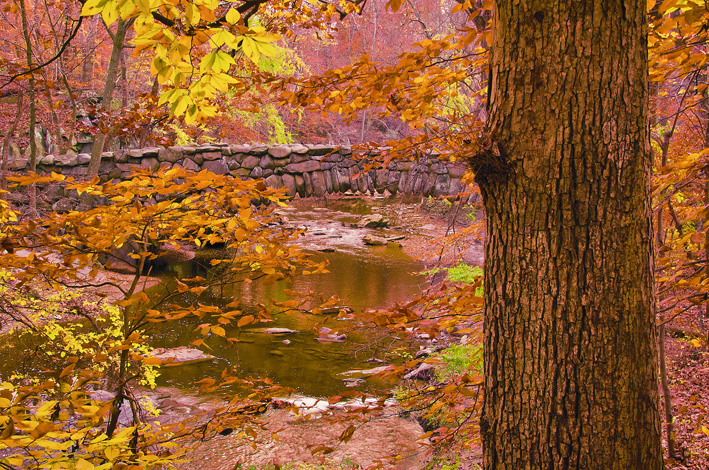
[(363, 276), (377, 277)]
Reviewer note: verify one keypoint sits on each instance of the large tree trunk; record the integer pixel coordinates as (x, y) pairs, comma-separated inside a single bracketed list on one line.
[(570, 341)]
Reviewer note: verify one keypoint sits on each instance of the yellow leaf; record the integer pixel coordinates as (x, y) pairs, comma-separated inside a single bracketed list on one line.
[(218, 330), (245, 320), (15, 461), (232, 16), (110, 13), (82, 464)]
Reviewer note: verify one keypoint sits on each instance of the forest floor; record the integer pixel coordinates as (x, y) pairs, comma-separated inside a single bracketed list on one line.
[(688, 376)]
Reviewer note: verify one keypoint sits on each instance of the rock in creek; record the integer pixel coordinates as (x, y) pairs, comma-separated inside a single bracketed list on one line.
[(327, 335), (366, 372), (181, 356), (372, 221), (277, 331), (374, 240), (422, 372)]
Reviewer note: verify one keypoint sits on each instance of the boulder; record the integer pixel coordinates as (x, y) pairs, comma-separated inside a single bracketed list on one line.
[(277, 331), (170, 154), (280, 151), (457, 170), (299, 148), (243, 173), (320, 149), (308, 184), (180, 356), (392, 184), (267, 162), (127, 167), (151, 163), (328, 182), (240, 148), (274, 181), (259, 149), (327, 335), (53, 192), (300, 157), (250, 162), (18, 164), (68, 159), (372, 221), (318, 182), (63, 205), (189, 164), (300, 185), (374, 240), (422, 372), (303, 167), (218, 167), (441, 186), (439, 167), (143, 153), (334, 157), (343, 179), (289, 182), (215, 155), (366, 372)]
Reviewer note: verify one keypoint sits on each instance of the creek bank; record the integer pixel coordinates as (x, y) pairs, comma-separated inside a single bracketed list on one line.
[(289, 430), (381, 438)]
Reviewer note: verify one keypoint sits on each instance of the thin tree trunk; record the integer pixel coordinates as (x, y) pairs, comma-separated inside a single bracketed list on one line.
[(7, 140), (119, 38), (55, 120), (33, 104), (666, 396), (704, 322), (64, 146), (570, 342)]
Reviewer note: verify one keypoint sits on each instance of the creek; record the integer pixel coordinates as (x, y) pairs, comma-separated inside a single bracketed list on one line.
[(362, 276)]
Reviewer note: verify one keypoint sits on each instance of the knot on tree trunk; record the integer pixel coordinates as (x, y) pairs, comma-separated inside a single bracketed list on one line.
[(489, 163)]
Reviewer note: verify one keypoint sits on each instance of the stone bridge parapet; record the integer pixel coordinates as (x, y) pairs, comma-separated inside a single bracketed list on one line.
[(306, 170)]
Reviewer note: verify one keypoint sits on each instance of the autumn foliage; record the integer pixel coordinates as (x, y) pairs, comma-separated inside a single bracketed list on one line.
[(411, 76)]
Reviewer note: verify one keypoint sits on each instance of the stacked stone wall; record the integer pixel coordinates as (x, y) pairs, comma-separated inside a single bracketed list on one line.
[(306, 170)]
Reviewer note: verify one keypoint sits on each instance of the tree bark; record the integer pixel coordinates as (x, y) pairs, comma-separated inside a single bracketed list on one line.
[(33, 105), (6, 143), (119, 40), (570, 342)]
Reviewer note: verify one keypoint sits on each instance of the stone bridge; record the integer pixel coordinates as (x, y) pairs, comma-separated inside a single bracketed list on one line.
[(306, 170)]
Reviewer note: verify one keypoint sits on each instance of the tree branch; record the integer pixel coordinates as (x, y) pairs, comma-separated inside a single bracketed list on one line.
[(55, 57)]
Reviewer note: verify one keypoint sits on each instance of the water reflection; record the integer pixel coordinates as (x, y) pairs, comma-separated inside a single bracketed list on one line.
[(374, 278)]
